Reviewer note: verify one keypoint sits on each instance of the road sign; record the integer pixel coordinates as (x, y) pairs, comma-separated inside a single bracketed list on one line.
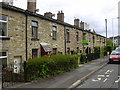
[(84, 42)]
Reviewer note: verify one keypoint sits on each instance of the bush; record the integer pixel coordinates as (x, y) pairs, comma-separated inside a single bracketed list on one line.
[(109, 48), (49, 66), (97, 49), (102, 51)]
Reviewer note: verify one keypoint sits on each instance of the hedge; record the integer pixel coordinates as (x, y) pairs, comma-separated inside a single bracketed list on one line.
[(49, 66), (83, 58)]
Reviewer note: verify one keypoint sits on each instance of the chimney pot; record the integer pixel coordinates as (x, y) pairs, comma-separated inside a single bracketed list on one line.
[(76, 22), (60, 16), (48, 14), (9, 2), (31, 5), (82, 25)]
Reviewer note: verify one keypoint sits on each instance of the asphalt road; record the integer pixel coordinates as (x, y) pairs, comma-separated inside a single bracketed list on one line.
[(107, 77)]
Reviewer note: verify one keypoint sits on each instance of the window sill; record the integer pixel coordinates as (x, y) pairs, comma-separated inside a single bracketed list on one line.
[(5, 38), (54, 39), (35, 39), (68, 41)]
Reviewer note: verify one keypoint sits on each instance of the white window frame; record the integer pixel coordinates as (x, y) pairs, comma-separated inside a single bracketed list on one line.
[(54, 30), (97, 38), (67, 35), (7, 25), (5, 56), (36, 27)]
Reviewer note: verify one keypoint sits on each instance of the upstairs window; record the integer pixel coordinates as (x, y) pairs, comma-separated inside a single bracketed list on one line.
[(34, 29), (97, 39), (54, 33), (3, 25), (89, 37), (68, 36), (77, 36), (84, 36)]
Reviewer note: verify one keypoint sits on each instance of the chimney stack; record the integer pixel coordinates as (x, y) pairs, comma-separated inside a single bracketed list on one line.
[(82, 25), (60, 16), (48, 14), (31, 6), (9, 2), (76, 22)]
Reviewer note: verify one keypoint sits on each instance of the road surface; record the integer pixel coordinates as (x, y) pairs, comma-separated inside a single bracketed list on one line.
[(107, 77)]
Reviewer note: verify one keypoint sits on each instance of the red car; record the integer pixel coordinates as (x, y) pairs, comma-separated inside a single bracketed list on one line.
[(114, 57)]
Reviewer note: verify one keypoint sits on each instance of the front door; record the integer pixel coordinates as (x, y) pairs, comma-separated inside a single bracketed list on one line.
[(17, 61)]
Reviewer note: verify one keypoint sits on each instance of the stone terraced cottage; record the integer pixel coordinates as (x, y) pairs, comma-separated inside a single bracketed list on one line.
[(24, 34)]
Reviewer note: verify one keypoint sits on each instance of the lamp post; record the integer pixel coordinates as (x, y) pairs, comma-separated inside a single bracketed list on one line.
[(113, 29), (106, 31)]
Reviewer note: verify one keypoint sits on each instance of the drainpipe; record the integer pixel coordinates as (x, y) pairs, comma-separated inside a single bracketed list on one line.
[(26, 22), (65, 39), (93, 42)]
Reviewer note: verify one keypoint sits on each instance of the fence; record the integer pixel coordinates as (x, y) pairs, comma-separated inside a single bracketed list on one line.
[(84, 58), (11, 77), (93, 56)]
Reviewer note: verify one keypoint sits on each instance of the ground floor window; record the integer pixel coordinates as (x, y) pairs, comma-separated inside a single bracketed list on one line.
[(72, 52), (34, 53), (77, 49), (54, 51), (3, 58), (68, 50)]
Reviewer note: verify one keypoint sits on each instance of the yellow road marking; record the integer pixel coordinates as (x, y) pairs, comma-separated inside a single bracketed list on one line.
[(98, 79), (105, 80), (109, 71), (101, 75), (107, 75), (117, 80)]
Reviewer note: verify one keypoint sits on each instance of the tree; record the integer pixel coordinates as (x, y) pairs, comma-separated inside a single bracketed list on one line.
[(110, 46)]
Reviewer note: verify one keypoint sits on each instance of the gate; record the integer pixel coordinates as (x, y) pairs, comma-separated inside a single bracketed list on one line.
[(12, 74)]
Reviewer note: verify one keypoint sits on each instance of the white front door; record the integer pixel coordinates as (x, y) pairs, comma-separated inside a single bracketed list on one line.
[(17, 61)]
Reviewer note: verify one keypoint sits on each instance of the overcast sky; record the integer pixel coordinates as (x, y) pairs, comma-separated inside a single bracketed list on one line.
[(93, 12)]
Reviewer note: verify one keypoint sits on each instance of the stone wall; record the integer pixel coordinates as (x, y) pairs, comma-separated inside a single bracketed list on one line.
[(16, 32)]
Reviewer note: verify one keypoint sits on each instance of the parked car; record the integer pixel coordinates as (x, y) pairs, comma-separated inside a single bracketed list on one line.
[(114, 57)]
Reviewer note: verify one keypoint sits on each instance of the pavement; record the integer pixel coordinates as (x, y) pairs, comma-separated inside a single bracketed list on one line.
[(68, 79)]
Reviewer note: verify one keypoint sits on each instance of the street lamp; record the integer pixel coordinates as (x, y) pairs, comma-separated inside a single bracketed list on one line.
[(106, 33), (113, 28)]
